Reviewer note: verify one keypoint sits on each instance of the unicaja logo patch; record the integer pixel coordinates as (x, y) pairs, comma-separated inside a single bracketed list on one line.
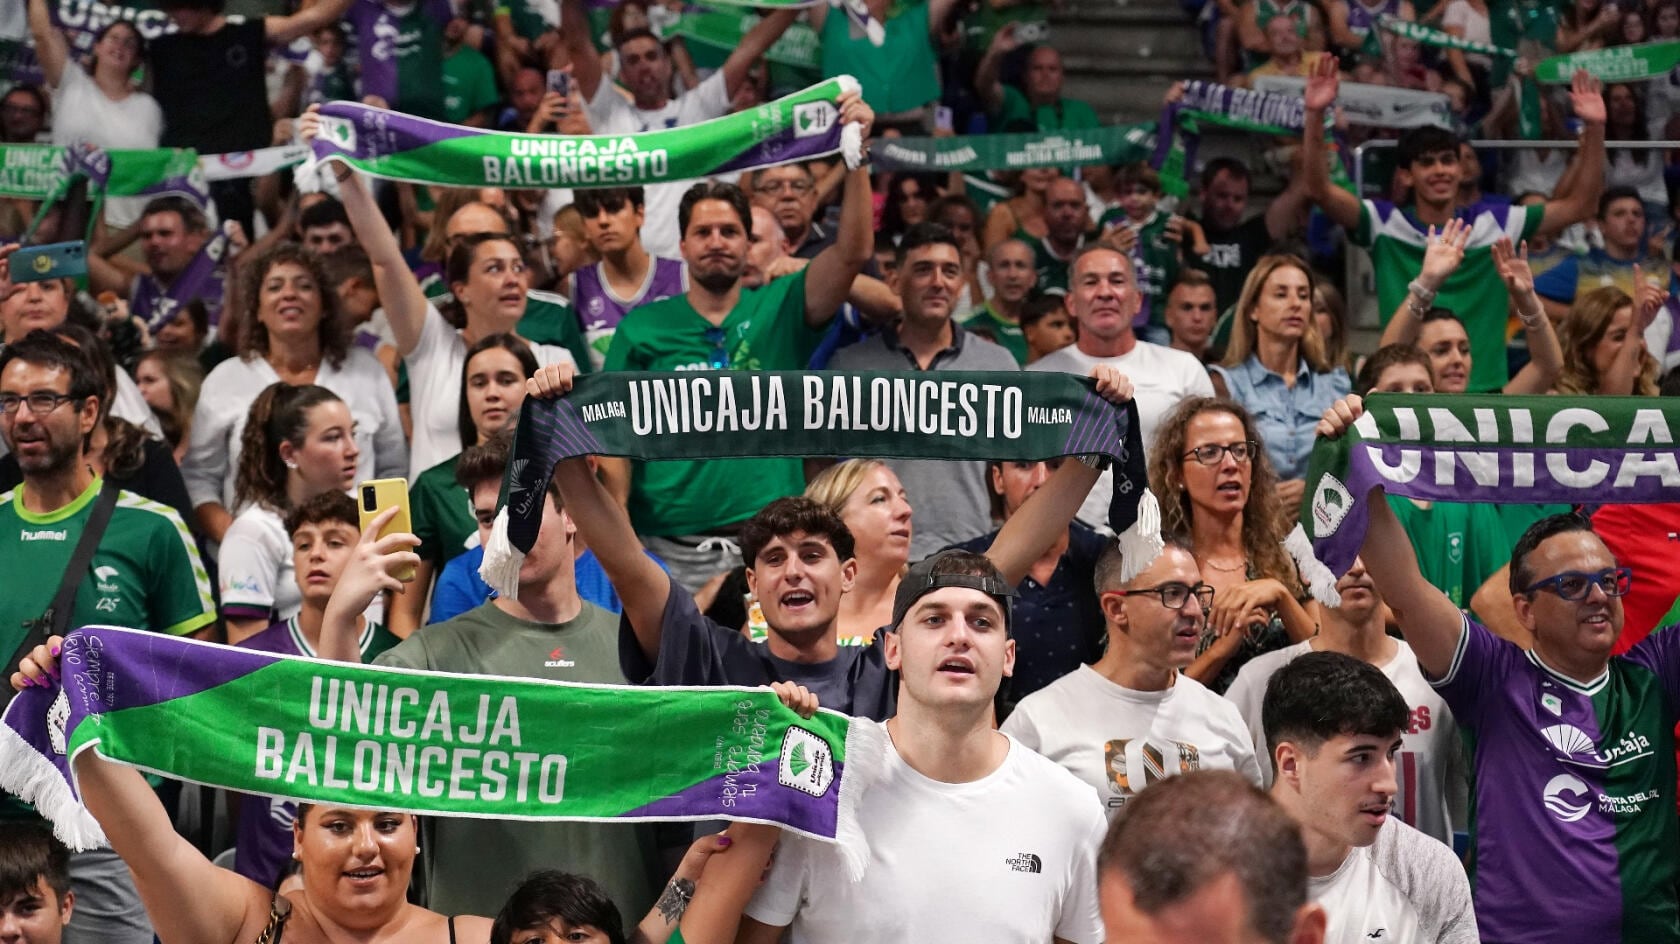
[(1025, 862), (1330, 505), (813, 118), (807, 764), (57, 717), (1567, 797)]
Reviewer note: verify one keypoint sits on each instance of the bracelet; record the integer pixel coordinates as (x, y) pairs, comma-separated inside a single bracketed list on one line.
[(675, 899), (1423, 295), (1531, 320), (341, 178)]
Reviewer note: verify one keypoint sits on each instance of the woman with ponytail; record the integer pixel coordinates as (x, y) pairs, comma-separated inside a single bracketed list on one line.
[(298, 442)]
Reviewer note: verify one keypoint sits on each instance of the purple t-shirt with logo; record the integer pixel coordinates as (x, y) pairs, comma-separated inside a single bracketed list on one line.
[(600, 311)]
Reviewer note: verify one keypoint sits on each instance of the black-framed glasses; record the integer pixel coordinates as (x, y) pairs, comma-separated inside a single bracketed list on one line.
[(719, 359), (40, 404), (777, 186), (1214, 453), (1173, 594), (1574, 586)]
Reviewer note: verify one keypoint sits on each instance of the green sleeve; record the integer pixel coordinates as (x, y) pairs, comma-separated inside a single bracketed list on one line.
[(427, 517), (1365, 233), (1014, 105), (801, 338), (1489, 547), (180, 601), (1531, 221), (482, 93), (619, 351)]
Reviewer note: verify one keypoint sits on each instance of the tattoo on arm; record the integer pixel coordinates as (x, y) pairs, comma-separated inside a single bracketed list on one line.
[(674, 900)]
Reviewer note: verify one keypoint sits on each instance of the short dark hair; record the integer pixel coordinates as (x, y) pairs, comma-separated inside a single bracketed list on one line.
[(713, 190), (28, 852), (1183, 833), (925, 234), (1321, 695), (46, 349), (323, 213), (955, 201), (1038, 307), (611, 199), (1223, 165), (347, 262), (787, 515), (1437, 313), (1106, 572), (1612, 194), (324, 508), (487, 461), (1548, 527), (548, 895), (1390, 355), (1419, 142), (33, 91), (192, 215), (640, 32)]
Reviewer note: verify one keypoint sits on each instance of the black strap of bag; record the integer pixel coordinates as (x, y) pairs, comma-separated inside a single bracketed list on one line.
[(56, 620)]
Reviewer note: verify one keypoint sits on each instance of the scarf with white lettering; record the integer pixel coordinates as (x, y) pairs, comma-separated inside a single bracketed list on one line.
[(956, 415), (1226, 107), (1480, 448), (433, 743), (402, 147), (1440, 39), (1639, 63)]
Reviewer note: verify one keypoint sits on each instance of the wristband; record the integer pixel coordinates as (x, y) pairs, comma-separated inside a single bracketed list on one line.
[(1094, 460), (1423, 295)]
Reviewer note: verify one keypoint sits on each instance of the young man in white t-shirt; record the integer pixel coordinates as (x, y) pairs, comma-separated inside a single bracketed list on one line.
[(971, 836), (1334, 726), (1133, 717), (1429, 770), (645, 71), (1103, 298)]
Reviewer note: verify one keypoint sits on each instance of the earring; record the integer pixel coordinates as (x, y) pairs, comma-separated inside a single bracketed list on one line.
[(291, 464), (296, 856), (416, 847)]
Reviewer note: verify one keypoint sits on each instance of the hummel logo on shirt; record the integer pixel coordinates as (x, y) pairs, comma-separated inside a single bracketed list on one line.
[(1025, 862)]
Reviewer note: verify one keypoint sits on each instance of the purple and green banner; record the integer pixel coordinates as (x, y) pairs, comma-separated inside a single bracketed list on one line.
[(1482, 448), (1224, 106), (38, 171), (432, 743), (402, 147)]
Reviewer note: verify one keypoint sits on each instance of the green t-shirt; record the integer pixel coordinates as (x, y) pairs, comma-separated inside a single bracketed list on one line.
[(441, 513), (469, 85), (901, 74), (419, 50), (1066, 113), (1474, 291), (766, 331), (1052, 269), (472, 863), (1007, 334), (1155, 257), (1458, 546)]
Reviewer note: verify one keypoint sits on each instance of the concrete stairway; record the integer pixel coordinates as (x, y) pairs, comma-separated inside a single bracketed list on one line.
[(1121, 55)]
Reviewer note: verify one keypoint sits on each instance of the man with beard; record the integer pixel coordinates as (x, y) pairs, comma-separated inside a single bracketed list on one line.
[(683, 507), (645, 72), (145, 570), (172, 231)]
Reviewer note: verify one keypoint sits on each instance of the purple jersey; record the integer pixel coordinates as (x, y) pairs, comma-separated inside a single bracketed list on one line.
[(1361, 19), (600, 311), (1573, 831)]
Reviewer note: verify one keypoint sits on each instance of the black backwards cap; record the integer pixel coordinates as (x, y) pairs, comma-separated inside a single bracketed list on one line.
[(921, 581)]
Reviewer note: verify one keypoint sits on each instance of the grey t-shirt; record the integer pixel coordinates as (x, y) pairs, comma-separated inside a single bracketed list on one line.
[(951, 499), (473, 864)]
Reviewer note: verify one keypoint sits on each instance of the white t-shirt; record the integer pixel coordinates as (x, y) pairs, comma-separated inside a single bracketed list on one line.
[(1403, 888), (1433, 794), (611, 113), (1118, 741), (1475, 25), (83, 115), (1008, 858), (255, 570), (434, 389), (1161, 378), (212, 457)]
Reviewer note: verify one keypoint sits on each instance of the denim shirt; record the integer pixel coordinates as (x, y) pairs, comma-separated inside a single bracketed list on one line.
[(1284, 415)]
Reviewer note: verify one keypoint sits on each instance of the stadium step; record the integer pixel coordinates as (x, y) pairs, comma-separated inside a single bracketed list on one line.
[(1122, 56)]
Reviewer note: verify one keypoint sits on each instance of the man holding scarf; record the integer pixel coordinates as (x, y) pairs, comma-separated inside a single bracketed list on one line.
[(173, 233), (1573, 755)]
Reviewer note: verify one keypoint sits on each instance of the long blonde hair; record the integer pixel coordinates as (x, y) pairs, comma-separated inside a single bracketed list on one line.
[(834, 486), (1265, 520), (1582, 329), (1244, 333)]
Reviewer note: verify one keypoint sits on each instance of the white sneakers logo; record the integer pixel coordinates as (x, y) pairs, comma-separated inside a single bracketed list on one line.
[(1567, 797)]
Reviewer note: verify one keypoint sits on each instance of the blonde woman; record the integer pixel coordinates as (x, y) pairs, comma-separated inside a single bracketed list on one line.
[(871, 501)]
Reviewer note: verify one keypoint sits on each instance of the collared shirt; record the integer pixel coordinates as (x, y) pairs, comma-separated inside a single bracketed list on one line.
[(1285, 415)]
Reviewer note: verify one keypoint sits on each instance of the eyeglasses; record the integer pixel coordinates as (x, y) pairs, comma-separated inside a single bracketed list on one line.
[(1214, 454), (777, 186), (1173, 595), (719, 359), (40, 404), (1574, 586)]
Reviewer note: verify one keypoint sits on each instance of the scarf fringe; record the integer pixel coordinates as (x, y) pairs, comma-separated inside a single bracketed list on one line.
[(1141, 543), (1320, 581), (501, 559), (25, 773), (866, 760)]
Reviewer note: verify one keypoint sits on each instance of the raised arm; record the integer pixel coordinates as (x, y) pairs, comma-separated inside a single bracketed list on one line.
[(1428, 619), (988, 83), (605, 527), (1342, 207), (1586, 169), (586, 62), (280, 30), (1249, 34), (754, 45), (167, 869), (1442, 255), (829, 278), (1624, 370), (405, 304), (1545, 355), (370, 571), (50, 48)]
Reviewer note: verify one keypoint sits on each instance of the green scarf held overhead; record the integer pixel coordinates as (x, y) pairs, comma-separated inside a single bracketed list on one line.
[(395, 146), (1068, 147), (1440, 39), (433, 743), (39, 171), (955, 415), (797, 48), (1616, 64)]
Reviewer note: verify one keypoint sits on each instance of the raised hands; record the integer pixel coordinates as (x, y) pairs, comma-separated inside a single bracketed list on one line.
[(1586, 97), (1326, 80), (1517, 275), (1444, 252)]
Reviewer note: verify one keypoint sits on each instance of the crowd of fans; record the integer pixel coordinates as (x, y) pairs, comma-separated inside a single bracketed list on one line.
[(357, 329)]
